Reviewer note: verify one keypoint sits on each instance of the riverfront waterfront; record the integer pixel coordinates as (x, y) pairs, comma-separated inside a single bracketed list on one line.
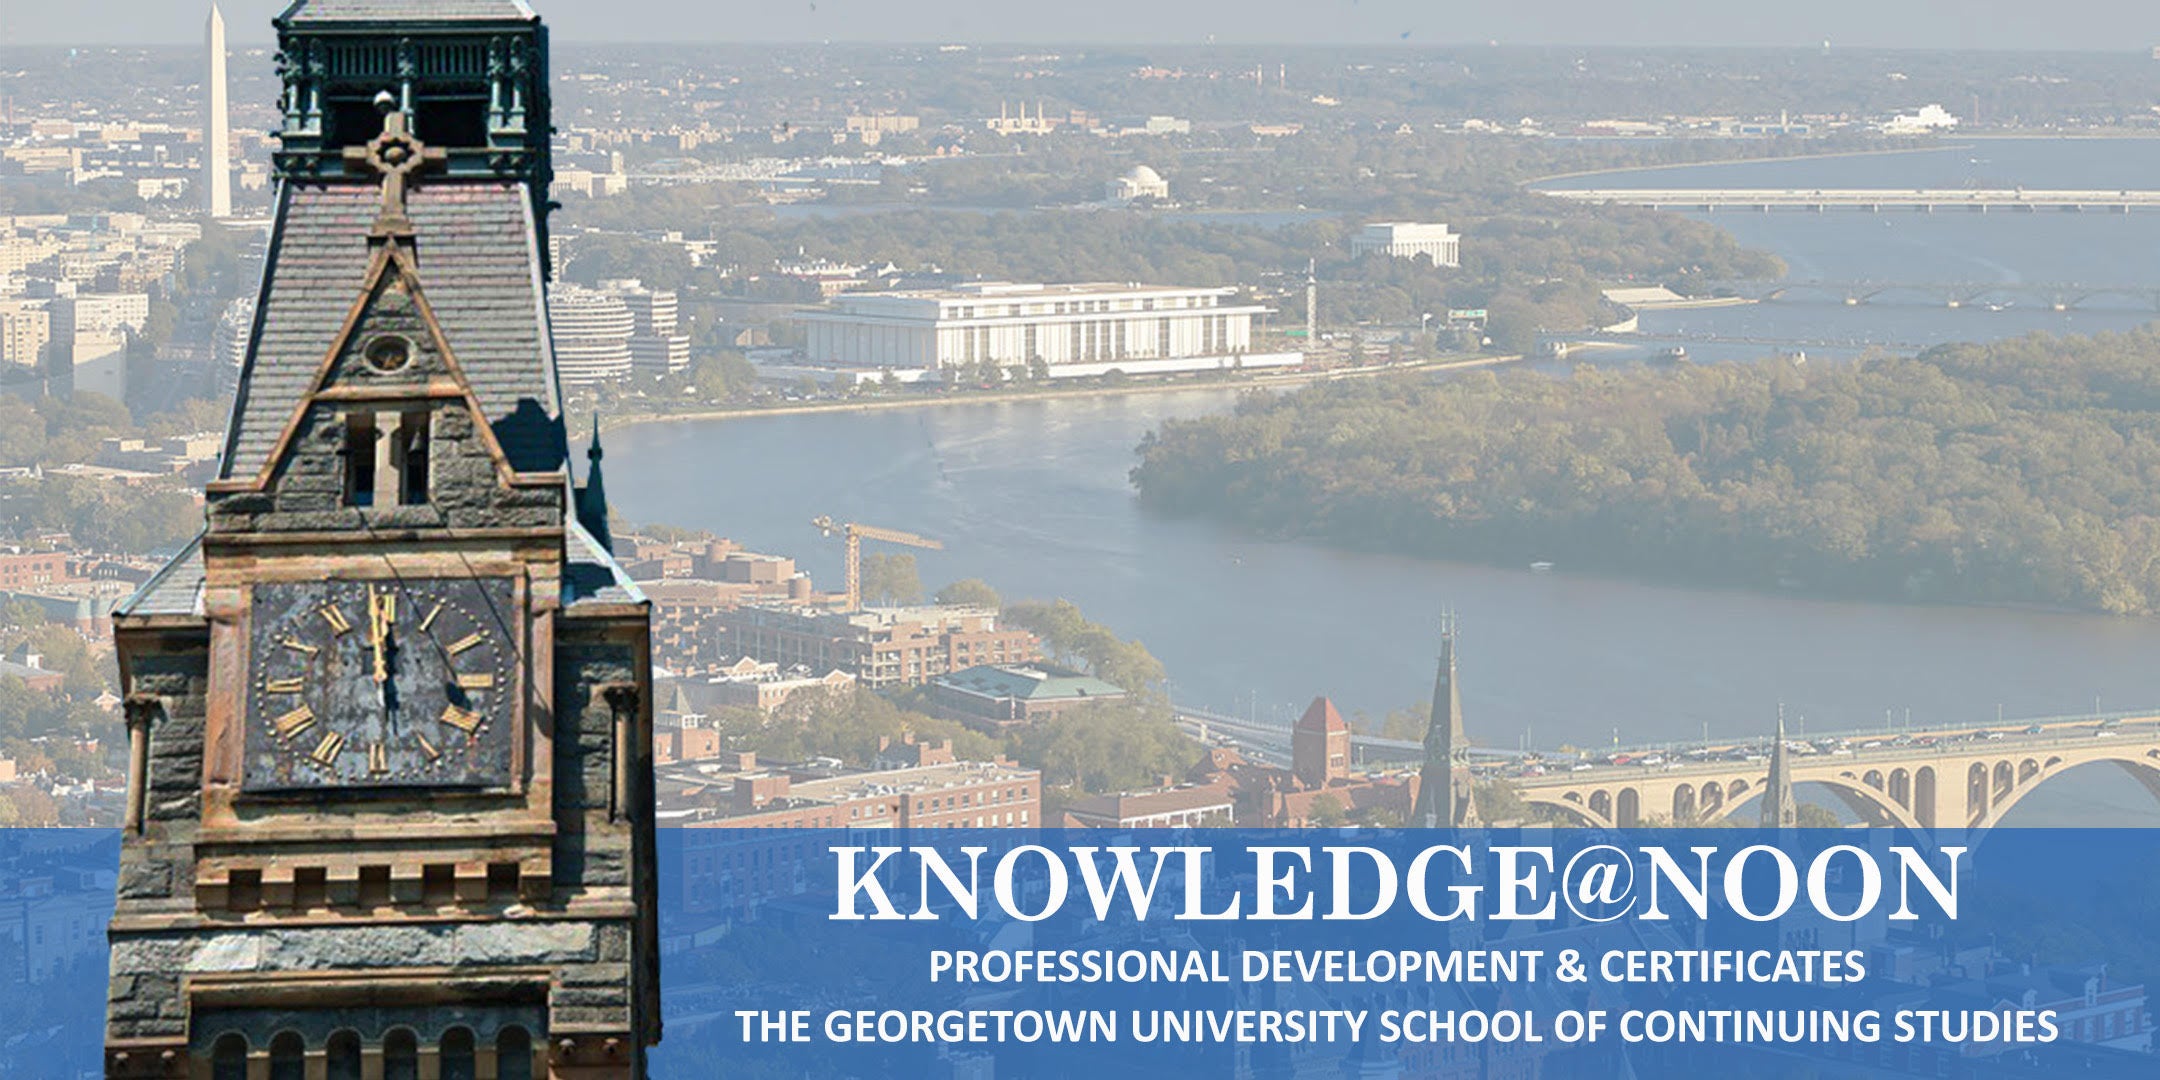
[(1033, 497)]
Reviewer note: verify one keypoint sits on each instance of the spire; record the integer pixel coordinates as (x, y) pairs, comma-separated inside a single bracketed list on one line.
[(592, 508), (1445, 799), (1779, 811)]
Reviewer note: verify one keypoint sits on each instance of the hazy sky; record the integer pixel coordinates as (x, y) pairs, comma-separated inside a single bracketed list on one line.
[(1993, 24)]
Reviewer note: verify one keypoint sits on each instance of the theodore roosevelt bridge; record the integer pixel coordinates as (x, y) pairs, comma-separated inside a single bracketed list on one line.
[(1938, 777)]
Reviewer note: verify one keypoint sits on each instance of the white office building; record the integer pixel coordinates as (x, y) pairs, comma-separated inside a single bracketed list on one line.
[(591, 331), (1408, 240), (25, 327), (91, 333), (1072, 330), (229, 341), (657, 345)]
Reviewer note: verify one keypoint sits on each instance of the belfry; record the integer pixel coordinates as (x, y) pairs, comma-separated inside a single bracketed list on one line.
[(390, 809)]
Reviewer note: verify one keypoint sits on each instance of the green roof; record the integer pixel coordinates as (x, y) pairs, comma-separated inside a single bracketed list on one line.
[(1033, 682)]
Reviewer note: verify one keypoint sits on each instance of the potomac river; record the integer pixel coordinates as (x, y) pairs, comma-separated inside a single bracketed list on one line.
[(1033, 496)]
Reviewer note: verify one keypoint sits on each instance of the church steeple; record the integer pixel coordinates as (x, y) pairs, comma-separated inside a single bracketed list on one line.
[(1778, 809), (592, 507), (1445, 787)]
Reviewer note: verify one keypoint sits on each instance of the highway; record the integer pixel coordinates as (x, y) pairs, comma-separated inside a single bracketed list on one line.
[(1271, 742), (1874, 199)]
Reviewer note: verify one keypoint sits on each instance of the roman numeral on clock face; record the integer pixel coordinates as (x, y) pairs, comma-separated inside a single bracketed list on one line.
[(464, 720), (294, 722), (481, 681), (467, 642), (335, 616), (326, 752), (284, 686)]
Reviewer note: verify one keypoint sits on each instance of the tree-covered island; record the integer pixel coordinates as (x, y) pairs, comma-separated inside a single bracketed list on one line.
[(2021, 472)]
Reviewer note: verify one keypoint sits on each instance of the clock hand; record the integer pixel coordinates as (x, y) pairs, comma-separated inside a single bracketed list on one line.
[(386, 659), (376, 631)]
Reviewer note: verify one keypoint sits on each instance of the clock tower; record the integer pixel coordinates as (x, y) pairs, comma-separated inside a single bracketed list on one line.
[(390, 807)]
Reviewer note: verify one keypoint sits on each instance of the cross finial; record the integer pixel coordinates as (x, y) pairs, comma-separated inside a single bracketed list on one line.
[(395, 154)]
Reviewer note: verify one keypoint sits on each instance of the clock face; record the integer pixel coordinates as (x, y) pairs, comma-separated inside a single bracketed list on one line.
[(381, 684)]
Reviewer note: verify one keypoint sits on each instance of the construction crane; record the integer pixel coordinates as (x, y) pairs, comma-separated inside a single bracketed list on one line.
[(855, 535)]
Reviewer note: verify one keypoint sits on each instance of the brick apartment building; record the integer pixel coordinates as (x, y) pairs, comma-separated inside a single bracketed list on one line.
[(916, 785), (70, 590), (690, 584), (30, 569), (768, 694), (741, 840), (684, 742), (883, 647)]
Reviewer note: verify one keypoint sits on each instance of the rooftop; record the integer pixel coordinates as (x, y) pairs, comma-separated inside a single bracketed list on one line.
[(482, 277), (910, 781), (377, 11), (692, 778), (175, 590), (1029, 682), (1150, 803), (1321, 716), (25, 672), (878, 618), (996, 290)]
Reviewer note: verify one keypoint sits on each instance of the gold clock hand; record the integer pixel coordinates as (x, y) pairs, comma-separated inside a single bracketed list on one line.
[(386, 658), (375, 634)]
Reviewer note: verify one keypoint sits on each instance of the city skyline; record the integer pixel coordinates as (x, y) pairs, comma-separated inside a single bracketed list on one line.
[(2095, 25)]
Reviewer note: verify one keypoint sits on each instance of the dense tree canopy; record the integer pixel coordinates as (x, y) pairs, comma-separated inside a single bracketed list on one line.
[(891, 578), (2019, 472), (1070, 638), (1105, 747), (974, 591), (102, 516), (845, 726)]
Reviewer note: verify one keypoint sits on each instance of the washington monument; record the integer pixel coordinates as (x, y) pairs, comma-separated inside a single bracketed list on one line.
[(217, 135)]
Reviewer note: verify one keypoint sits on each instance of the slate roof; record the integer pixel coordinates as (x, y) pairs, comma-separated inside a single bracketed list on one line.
[(175, 590), (321, 11), (590, 574), (9, 669), (480, 271)]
